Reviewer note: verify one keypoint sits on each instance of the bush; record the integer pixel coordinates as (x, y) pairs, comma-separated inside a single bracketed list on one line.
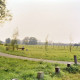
[(73, 69), (5, 44)]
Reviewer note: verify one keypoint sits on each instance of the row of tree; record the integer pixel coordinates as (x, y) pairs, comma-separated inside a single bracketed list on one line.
[(25, 41), (34, 41)]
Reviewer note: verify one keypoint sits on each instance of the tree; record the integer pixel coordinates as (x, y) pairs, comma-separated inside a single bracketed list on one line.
[(1, 42), (4, 12), (13, 43), (25, 41), (18, 41), (46, 43), (70, 45), (32, 41), (14, 40), (8, 40)]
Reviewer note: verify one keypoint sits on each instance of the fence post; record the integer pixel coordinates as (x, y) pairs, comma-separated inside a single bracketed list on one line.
[(14, 79), (68, 65), (40, 75), (75, 59), (57, 70)]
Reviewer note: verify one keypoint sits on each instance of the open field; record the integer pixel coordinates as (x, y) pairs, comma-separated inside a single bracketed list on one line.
[(27, 70), (59, 53)]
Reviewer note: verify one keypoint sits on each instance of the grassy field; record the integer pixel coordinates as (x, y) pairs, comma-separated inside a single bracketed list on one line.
[(59, 53), (27, 70)]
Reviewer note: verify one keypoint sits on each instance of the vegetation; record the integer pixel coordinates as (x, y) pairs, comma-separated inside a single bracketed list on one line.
[(38, 51), (4, 13), (27, 70), (46, 44), (29, 41), (14, 40), (8, 40)]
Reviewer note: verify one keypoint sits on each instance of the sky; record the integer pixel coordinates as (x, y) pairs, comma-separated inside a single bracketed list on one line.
[(57, 19)]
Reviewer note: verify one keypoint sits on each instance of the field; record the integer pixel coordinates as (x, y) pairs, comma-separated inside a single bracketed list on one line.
[(59, 53), (27, 70)]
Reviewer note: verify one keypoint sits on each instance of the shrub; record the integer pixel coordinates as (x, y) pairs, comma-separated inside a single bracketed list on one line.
[(72, 69), (5, 44)]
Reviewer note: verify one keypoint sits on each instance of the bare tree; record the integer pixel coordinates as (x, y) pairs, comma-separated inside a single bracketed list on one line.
[(46, 43), (70, 45), (14, 40)]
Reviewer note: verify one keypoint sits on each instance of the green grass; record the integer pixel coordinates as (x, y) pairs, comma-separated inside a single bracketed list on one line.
[(27, 70), (36, 51)]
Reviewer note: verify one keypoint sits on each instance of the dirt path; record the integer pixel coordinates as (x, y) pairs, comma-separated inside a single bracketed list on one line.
[(34, 59)]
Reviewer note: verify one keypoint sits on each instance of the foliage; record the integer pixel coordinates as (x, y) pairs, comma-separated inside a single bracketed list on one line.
[(73, 69), (25, 40), (4, 13), (13, 43), (29, 41), (8, 40), (7, 44), (14, 40), (0, 42), (32, 41)]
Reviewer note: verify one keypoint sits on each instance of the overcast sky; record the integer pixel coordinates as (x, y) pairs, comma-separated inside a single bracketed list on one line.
[(59, 19)]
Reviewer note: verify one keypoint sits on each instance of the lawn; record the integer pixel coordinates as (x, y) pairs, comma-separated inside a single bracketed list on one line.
[(59, 53), (27, 70)]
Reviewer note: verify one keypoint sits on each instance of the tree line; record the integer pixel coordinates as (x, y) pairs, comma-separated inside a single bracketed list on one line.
[(34, 41), (25, 41)]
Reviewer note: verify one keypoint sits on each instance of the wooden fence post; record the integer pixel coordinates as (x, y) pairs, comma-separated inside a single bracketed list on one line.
[(57, 70), (40, 75), (14, 79), (75, 59), (68, 65)]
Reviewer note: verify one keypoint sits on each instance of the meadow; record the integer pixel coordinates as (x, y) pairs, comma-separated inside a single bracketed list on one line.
[(27, 70), (58, 53)]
